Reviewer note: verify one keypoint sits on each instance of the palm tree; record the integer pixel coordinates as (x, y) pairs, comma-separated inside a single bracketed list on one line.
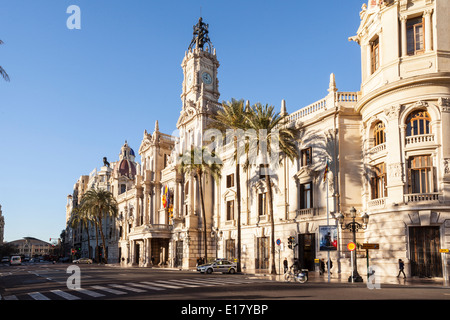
[(81, 217), (100, 204), (270, 127), (2, 71), (232, 116), (199, 162)]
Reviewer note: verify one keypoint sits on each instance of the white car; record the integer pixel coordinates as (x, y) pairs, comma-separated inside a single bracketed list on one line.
[(15, 260), (220, 265), (83, 260)]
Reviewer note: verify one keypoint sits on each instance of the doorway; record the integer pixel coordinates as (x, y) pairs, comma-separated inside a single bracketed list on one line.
[(179, 254), (424, 244), (307, 250), (262, 255)]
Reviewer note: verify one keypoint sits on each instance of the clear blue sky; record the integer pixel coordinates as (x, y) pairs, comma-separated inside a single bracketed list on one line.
[(75, 96)]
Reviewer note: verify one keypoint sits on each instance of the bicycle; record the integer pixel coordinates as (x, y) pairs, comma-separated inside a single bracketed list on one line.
[(298, 276)]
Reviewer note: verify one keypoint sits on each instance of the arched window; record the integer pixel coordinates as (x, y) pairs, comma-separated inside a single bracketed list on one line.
[(379, 134), (418, 122)]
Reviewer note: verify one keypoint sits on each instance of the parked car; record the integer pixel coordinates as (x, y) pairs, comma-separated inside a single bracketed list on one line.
[(5, 260), (83, 260), (220, 265), (15, 260)]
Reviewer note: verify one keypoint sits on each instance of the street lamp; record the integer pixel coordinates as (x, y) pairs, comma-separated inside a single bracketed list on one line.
[(354, 227)]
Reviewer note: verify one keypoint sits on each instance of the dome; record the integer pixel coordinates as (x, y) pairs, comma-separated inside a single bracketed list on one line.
[(127, 168)]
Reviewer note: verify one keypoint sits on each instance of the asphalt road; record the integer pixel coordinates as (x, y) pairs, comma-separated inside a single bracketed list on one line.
[(184, 291)]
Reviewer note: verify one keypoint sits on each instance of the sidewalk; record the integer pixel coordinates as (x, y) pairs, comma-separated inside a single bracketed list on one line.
[(316, 278), (343, 279)]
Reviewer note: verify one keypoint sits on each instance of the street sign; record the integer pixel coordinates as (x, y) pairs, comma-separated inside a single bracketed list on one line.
[(367, 246), (351, 246), (443, 250), (278, 242)]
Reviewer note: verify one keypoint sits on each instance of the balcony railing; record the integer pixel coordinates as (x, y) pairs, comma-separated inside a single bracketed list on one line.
[(422, 138), (376, 203), (421, 197), (302, 213)]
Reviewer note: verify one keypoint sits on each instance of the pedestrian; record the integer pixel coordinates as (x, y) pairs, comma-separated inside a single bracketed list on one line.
[(330, 265), (322, 267), (401, 266), (285, 264)]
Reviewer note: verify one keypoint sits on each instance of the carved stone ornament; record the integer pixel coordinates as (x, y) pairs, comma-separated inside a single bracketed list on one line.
[(396, 171), (444, 104), (392, 112), (446, 165)]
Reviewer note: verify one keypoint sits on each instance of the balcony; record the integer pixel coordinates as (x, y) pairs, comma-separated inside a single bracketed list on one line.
[(420, 140), (374, 204), (305, 213), (422, 197)]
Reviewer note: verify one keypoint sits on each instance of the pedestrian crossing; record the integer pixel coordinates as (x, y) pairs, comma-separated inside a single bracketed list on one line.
[(122, 289)]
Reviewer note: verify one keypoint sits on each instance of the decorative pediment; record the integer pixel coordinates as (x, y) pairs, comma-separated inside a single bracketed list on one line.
[(188, 112), (306, 173), (230, 193)]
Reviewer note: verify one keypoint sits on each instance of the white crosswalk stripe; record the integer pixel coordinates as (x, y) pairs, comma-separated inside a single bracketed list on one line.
[(146, 286), (93, 294), (65, 295), (120, 286), (109, 290), (171, 282), (13, 297), (38, 296), (162, 285)]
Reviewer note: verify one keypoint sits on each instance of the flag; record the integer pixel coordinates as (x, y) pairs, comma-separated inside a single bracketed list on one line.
[(325, 172), (165, 197)]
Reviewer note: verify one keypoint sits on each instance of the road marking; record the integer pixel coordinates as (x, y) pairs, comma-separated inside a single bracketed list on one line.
[(13, 297), (90, 293), (126, 288), (186, 283), (177, 284), (101, 288), (162, 285), (65, 295), (198, 282), (38, 296), (145, 286)]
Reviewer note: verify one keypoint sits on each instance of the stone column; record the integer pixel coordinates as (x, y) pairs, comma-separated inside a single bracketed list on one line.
[(394, 164), (428, 30), (403, 36)]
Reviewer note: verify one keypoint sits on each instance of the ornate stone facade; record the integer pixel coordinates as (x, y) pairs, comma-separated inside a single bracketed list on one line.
[(387, 155)]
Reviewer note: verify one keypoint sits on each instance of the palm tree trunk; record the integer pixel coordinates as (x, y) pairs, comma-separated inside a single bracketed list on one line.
[(238, 196), (105, 255), (272, 220), (204, 216), (96, 239), (89, 239)]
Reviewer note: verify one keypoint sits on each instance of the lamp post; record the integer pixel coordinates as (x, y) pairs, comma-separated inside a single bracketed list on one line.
[(354, 227)]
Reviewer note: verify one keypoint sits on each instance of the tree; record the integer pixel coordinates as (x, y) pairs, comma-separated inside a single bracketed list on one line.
[(200, 163), (2, 71), (81, 217), (270, 129), (232, 117), (100, 204)]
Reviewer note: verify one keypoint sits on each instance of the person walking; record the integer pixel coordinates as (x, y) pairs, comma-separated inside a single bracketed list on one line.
[(285, 264), (401, 267)]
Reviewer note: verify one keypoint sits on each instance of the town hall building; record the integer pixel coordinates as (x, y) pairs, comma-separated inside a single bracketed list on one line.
[(373, 165)]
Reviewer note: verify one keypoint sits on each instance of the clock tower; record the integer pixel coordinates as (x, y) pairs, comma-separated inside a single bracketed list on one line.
[(200, 91)]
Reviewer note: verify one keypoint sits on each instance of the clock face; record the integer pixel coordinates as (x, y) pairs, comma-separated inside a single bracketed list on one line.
[(206, 77), (189, 79)]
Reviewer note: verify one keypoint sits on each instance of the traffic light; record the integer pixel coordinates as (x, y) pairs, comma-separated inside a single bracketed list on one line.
[(291, 242)]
